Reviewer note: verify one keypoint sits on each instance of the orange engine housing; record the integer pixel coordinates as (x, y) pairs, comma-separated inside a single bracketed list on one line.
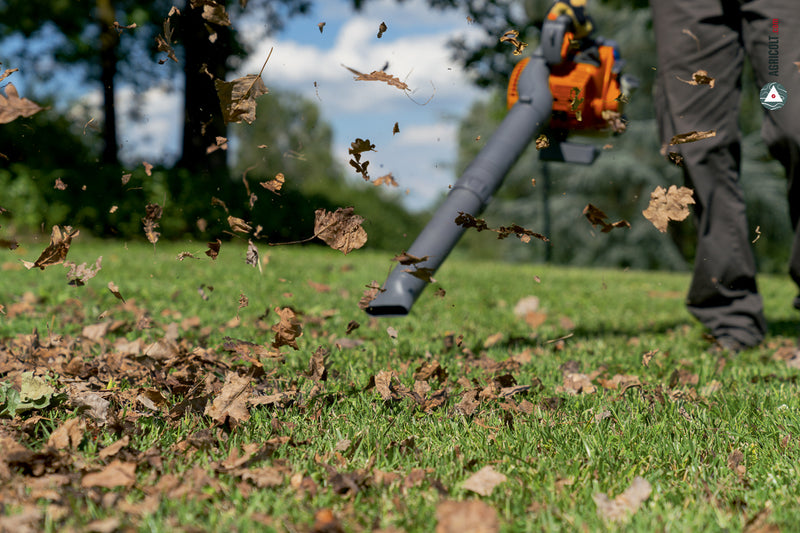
[(581, 92)]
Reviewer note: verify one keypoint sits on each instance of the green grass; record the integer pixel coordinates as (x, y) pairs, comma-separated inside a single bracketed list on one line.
[(554, 447)]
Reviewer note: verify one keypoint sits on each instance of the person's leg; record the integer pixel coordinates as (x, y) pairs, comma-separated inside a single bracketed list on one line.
[(772, 39), (694, 35)]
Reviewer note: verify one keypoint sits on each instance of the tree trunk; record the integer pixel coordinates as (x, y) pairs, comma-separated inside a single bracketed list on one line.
[(108, 65), (204, 61)]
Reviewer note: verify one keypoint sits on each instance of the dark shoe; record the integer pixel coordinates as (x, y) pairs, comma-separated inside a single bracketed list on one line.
[(727, 345)]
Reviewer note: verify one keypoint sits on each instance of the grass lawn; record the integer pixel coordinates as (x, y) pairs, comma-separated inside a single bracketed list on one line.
[(176, 410)]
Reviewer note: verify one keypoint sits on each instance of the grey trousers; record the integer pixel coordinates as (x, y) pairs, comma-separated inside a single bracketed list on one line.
[(714, 35)]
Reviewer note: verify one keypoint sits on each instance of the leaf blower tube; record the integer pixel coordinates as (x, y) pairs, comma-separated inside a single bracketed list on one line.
[(473, 190)]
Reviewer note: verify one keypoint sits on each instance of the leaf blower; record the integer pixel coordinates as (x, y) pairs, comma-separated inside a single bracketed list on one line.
[(570, 83)]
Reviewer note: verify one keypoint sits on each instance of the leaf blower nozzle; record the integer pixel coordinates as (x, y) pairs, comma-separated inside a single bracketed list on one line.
[(473, 190)]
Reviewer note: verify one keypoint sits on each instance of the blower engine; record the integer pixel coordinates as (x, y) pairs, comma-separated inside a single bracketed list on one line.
[(569, 84)]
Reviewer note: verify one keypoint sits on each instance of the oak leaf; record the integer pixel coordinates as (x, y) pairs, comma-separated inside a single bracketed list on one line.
[(668, 204), (13, 107), (164, 43), (341, 229), (232, 400)]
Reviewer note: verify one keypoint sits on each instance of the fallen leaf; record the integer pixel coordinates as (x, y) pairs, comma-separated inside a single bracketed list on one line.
[(237, 98), (215, 13), (153, 214), (116, 474), (213, 249), (371, 292), (666, 205), (692, 136), (251, 256), (67, 435), (341, 230), (8, 72), (465, 220), (624, 504), (388, 179), (317, 365), (287, 330), (164, 43), (274, 185), (511, 37), (484, 481), (597, 217), (237, 224), (231, 403), (13, 107), (379, 75), (56, 251), (468, 516), (700, 77), (78, 275)]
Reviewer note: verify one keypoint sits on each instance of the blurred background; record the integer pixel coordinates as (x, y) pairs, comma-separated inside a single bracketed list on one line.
[(116, 99)]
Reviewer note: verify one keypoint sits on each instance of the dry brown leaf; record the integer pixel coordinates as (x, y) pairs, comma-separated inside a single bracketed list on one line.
[(153, 214), (465, 220), (215, 13), (511, 37), (56, 251), (624, 504), (321, 25), (484, 481), (116, 474), (8, 72), (231, 403), (237, 98), (379, 75), (13, 107), (213, 249), (237, 224), (60, 185), (542, 141), (700, 77), (668, 204), (164, 43), (287, 329), (78, 275), (468, 516), (692, 136), (274, 185), (371, 292), (597, 217), (341, 230), (68, 435), (382, 29), (251, 256), (388, 179)]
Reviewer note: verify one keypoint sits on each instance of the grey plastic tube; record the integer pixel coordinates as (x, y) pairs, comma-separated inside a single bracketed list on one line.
[(473, 190)]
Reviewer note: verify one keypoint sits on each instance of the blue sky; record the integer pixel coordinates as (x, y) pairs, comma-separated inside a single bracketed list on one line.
[(420, 157)]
